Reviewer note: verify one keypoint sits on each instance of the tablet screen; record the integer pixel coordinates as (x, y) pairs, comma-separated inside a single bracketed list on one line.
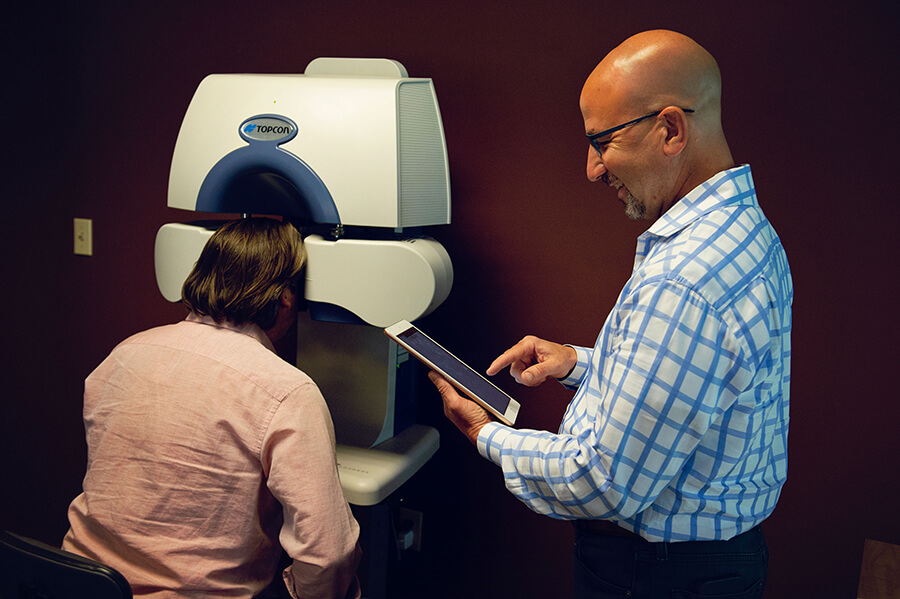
[(456, 369)]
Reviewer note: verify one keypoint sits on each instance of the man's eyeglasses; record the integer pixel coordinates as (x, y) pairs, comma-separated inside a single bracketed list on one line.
[(594, 137)]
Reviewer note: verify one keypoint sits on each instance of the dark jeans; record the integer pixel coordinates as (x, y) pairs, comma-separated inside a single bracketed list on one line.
[(616, 566)]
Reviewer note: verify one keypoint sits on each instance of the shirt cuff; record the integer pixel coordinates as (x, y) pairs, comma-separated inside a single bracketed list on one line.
[(583, 358), (491, 438)]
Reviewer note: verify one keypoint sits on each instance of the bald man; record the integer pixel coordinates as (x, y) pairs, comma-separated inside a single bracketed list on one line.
[(673, 449)]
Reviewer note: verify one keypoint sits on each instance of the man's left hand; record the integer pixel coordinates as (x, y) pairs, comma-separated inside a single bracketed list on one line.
[(467, 415)]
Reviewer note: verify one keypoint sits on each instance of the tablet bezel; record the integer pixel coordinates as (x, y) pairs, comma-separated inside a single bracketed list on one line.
[(507, 417)]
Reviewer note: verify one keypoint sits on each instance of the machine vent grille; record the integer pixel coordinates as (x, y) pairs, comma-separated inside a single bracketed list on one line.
[(423, 186)]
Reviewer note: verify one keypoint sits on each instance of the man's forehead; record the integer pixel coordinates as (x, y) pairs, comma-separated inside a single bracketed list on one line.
[(609, 89), (599, 111)]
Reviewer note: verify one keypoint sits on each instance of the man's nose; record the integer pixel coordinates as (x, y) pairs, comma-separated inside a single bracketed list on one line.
[(595, 167)]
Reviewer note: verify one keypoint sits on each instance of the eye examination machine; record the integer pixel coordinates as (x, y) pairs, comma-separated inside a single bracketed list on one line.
[(352, 152)]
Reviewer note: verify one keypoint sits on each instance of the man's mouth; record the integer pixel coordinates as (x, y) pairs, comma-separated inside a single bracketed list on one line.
[(611, 180), (634, 209), (616, 184)]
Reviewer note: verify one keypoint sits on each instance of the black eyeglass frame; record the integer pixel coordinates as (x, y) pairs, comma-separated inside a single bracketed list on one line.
[(593, 137)]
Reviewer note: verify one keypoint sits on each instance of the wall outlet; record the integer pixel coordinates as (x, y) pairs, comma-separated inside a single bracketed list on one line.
[(84, 237), (409, 524)]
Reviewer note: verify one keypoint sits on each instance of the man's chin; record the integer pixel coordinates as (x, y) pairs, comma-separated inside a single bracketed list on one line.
[(634, 208)]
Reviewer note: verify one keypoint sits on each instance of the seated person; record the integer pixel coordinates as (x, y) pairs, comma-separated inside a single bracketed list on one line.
[(207, 453)]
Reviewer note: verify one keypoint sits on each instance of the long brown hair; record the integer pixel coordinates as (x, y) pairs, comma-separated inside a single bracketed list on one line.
[(243, 270)]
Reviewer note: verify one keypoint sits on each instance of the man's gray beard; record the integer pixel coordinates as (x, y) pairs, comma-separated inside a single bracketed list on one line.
[(634, 208)]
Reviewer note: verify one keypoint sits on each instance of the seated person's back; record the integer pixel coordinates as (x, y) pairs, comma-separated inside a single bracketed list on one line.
[(207, 453)]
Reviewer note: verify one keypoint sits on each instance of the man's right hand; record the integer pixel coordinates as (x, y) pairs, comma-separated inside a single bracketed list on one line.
[(532, 360)]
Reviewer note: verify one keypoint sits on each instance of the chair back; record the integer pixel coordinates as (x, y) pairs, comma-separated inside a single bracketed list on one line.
[(30, 569)]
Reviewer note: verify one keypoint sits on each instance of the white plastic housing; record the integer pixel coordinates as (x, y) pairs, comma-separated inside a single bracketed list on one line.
[(372, 135), (176, 251), (368, 476), (379, 281)]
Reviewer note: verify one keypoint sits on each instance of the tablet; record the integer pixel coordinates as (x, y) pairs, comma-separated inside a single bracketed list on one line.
[(470, 382)]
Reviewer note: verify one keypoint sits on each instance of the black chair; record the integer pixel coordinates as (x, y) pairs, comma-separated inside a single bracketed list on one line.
[(30, 569)]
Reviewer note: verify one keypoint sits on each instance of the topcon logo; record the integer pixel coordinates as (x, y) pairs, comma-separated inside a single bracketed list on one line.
[(268, 128)]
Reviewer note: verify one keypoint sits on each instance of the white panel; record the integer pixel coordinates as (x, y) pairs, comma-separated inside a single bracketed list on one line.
[(379, 281), (176, 251)]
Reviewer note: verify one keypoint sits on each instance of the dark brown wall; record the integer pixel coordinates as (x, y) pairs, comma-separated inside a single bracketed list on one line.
[(93, 99)]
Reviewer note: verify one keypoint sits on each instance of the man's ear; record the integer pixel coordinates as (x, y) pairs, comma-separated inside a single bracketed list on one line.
[(287, 297), (676, 130)]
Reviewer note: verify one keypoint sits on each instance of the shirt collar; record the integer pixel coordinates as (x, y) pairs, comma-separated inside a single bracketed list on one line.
[(732, 186), (250, 329)]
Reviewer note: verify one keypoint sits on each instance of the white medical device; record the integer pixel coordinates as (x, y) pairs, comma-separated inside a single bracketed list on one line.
[(353, 152)]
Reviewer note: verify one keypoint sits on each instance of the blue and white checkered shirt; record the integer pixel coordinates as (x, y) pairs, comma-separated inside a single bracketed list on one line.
[(678, 429)]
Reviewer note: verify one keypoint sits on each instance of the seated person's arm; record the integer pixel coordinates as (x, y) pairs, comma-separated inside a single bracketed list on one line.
[(319, 531)]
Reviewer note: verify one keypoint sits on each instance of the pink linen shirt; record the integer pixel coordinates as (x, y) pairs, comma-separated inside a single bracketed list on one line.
[(207, 453)]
